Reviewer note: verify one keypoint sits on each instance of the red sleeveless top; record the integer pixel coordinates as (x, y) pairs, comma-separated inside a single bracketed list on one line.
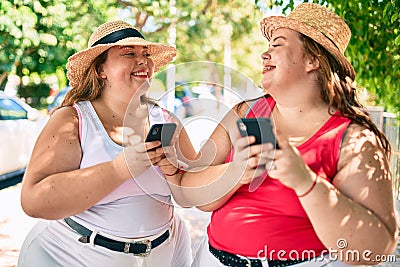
[(271, 218)]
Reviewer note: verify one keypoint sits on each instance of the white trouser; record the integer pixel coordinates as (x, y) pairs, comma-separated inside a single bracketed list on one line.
[(52, 243), (204, 258)]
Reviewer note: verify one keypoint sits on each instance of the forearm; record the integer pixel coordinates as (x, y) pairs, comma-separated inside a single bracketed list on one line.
[(220, 201), (336, 217), (175, 186), (210, 188), (67, 193)]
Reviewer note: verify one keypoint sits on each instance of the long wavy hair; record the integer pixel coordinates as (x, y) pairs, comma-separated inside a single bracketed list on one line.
[(92, 85), (338, 89)]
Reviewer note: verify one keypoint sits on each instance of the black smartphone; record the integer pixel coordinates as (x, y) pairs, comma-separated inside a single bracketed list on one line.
[(260, 128), (161, 132)]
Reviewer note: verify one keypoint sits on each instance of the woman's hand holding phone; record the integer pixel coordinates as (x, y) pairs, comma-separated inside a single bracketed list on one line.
[(250, 158), (254, 151), (260, 128), (168, 163), (162, 132), (137, 156)]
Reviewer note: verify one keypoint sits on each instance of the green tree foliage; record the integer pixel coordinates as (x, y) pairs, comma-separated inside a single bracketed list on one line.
[(375, 47), (39, 36), (34, 94)]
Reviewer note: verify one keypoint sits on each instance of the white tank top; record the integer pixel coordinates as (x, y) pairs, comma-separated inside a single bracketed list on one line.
[(139, 207)]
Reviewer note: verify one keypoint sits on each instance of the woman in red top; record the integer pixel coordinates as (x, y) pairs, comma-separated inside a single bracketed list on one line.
[(324, 198)]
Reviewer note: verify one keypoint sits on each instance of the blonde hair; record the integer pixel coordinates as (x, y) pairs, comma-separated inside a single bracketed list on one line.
[(91, 86)]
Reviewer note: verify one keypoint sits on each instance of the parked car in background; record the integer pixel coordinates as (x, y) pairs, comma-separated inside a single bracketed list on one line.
[(20, 124), (58, 99), (184, 94)]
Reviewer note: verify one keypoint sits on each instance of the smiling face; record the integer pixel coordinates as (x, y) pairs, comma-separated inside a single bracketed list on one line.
[(284, 64), (126, 69)]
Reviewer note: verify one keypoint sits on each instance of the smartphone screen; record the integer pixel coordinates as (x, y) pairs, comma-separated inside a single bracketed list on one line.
[(161, 132), (260, 128)]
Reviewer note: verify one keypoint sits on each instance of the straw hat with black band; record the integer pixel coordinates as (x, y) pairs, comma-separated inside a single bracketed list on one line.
[(318, 23), (115, 33)]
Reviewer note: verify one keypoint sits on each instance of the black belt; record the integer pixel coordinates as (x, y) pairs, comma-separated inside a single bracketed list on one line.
[(233, 260), (139, 248)]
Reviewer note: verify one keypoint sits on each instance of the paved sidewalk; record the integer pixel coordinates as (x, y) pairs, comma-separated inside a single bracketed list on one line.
[(14, 225)]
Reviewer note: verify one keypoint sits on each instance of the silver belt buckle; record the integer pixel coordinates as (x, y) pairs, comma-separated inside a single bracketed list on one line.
[(126, 247), (248, 263), (148, 248)]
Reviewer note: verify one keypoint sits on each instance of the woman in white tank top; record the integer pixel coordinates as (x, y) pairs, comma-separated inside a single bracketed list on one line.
[(105, 194)]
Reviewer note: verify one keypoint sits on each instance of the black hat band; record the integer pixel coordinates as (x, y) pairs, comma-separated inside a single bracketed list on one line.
[(118, 35)]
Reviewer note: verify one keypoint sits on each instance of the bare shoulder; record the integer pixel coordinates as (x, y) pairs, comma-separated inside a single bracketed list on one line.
[(62, 128), (241, 108), (64, 121), (237, 111), (363, 164), (360, 144), (67, 112), (57, 148), (357, 134), (364, 173)]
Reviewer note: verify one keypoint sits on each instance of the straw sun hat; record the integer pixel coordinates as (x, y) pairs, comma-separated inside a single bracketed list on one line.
[(107, 35), (318, 23)]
